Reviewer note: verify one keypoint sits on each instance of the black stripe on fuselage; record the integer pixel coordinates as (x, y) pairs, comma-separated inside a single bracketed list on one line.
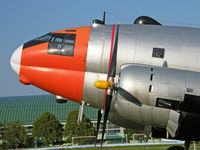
[(32, 43)]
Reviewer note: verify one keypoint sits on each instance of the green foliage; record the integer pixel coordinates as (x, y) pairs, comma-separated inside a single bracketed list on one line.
[(130, 133), (72, 129), (1, 130), (48, 129), (15, 135)]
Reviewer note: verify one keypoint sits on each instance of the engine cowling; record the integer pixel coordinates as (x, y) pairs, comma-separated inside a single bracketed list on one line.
[(164, 93), (125, 123)]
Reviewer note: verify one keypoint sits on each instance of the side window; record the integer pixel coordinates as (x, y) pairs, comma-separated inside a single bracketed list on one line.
[(62, 44), (158, 52)]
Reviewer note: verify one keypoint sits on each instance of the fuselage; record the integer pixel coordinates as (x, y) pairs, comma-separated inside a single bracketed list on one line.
[(72, 75)]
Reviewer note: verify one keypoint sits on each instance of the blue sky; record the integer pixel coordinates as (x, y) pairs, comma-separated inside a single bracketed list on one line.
[(23, 20)]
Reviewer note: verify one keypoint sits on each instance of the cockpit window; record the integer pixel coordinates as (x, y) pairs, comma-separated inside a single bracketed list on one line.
[(42, 39), (62, 44), (45, 37)]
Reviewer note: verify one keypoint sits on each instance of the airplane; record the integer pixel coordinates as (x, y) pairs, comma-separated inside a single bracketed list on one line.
[(144, 76)]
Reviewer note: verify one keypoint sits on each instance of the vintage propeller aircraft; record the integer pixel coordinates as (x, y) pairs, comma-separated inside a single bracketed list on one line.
[(143, 76)]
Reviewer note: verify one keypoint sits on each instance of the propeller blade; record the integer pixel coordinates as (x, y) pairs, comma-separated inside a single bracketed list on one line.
[(106, 112), (112, 70), (111, 73), (129, 96), (98, 124)]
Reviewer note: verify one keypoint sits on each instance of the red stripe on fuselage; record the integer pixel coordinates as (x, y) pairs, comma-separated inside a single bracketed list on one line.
[(111, 52)]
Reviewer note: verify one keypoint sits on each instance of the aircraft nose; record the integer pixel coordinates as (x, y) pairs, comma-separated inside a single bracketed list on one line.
[(15, 60)]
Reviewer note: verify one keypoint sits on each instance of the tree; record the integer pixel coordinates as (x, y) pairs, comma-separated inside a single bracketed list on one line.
[(15, 135), (72, 129), (48, 129)]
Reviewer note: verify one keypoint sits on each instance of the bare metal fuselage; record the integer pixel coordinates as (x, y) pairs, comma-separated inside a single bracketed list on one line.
[(136, 43)]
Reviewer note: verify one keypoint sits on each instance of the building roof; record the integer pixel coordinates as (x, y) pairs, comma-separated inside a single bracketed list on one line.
[(28, 108)]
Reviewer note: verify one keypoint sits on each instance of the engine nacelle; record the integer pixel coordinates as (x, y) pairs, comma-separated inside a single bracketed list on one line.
[(150, 83), (165, 94), (125, 123)]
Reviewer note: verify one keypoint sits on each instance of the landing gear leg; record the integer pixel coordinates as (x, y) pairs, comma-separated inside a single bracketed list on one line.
[(187, 145)]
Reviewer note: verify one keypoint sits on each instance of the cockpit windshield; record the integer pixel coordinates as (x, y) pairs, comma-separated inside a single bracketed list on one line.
[(45, 37), (58, 44), (42, 39)]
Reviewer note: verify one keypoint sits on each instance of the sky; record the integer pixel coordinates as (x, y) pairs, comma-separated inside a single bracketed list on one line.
[(23, 20)]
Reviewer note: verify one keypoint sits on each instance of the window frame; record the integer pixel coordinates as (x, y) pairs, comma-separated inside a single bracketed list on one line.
[(62, 51)]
